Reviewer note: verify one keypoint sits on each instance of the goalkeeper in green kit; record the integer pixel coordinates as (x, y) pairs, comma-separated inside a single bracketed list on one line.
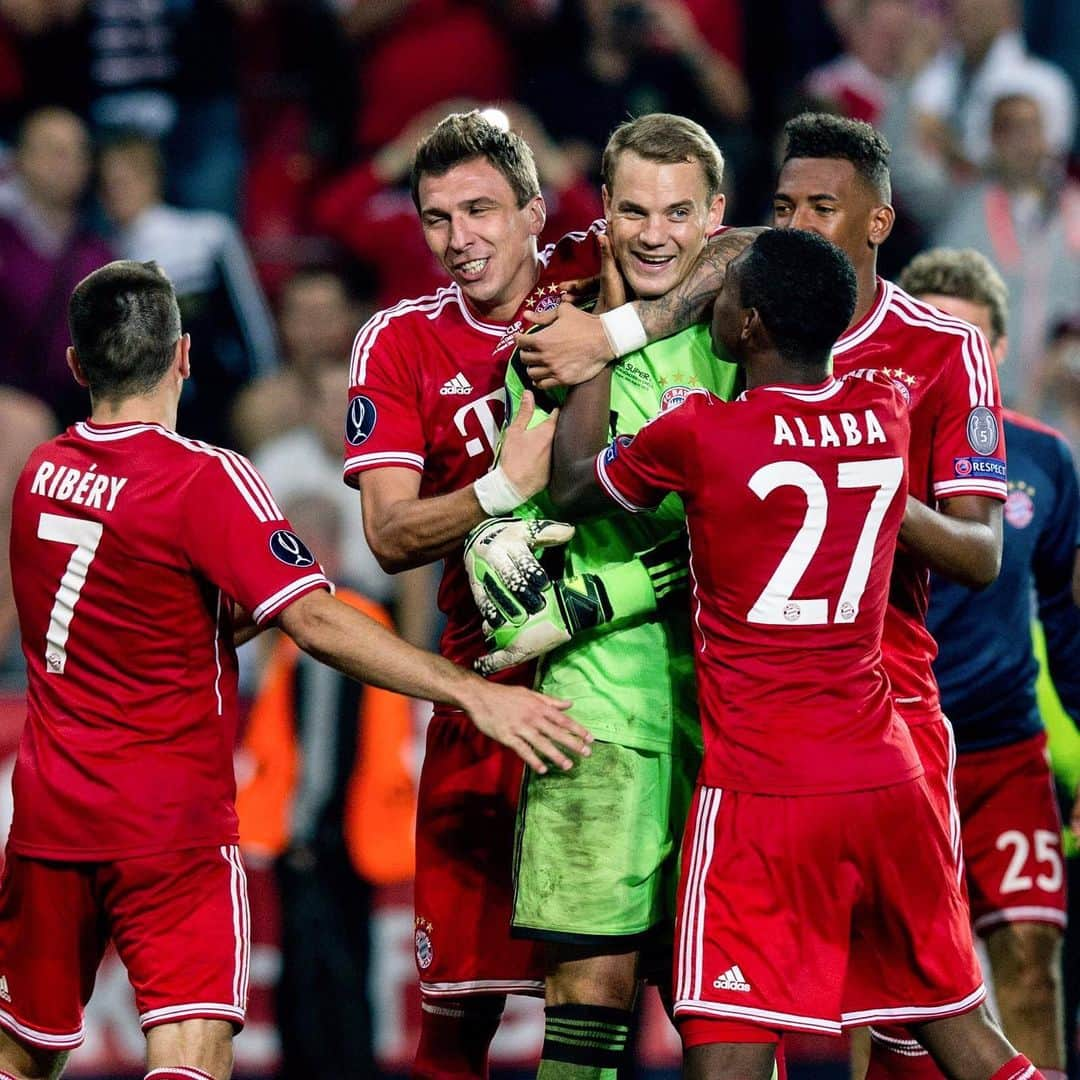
[(597, 847)]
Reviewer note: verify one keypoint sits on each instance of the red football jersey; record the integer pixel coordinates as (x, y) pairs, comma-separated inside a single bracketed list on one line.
[(944, 368), (426, 392), (129, 544), (794, 498)]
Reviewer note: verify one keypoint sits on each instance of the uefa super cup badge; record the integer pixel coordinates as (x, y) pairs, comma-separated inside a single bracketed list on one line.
[(425, 952)]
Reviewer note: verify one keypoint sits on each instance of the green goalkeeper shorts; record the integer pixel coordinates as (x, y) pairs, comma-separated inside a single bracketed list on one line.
[(597, 849)]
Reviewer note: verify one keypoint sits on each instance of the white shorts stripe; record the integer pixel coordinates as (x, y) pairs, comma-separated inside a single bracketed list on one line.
[(241, 924), (173, 1014), (955, 836), (691, 1007), (483, 986), (702, 916), (910, 1014), (1021, 914), (46, 1040)]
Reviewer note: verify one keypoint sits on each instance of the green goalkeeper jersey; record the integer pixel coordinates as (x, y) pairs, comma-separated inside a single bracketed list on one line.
[(630, 682)]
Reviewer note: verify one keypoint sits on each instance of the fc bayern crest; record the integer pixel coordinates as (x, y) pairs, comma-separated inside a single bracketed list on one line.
[(288, 548), (982, 430), (1019, 509), (425, 952), (674, 396), (359, 420)]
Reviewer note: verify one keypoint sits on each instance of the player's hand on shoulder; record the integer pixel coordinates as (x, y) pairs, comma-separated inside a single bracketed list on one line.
[(525, 453), (536, 727), (570, 349)]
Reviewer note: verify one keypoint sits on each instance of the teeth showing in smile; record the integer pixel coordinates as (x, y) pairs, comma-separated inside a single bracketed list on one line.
[(654, 260), (473, 267)]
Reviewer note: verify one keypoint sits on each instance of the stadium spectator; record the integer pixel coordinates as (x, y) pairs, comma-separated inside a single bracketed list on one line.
[(306, 462), (1009, 818), (370, 211), (952, 97), (795, 701), (317, 317), (882, 44), (1025, 216), (426, 404), (636, 57), (205, 256), (153, 539), (330, 799), (45, 248)]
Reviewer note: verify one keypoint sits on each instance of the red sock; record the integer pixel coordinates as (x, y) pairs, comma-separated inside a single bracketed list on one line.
[(455, 1037), (1019, 1068), (178, 1072), (895, 1055)]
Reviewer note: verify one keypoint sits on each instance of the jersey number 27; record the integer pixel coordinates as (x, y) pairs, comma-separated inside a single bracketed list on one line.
[(775, 605)]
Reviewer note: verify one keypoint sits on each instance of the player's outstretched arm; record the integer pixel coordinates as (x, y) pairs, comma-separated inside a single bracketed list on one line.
[(575, 346), (962, 540), (534, 726), (404, 530)]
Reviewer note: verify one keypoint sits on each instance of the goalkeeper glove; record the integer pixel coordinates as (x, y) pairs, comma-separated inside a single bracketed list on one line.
[(504, 574), (582, 602)]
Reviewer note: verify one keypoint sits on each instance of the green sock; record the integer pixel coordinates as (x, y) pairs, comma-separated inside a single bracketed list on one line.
[(584, 1042)]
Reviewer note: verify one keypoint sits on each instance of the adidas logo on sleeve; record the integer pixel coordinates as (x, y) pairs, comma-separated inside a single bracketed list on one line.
[(457, 385), (732, 979)]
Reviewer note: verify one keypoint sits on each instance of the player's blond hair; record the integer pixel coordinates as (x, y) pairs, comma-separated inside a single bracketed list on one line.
[(668, 140), (964, 274), (462, 137)]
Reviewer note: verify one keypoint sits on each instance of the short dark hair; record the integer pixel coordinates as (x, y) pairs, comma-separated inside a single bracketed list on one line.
[(667, 139), (964, 274), (462, 137), (803, 289), (124, 322), (822, 135)]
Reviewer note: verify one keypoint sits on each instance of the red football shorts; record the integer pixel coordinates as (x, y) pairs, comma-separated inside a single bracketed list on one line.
[(179, 921), (1012, 835), (467, 805), (804, 913)]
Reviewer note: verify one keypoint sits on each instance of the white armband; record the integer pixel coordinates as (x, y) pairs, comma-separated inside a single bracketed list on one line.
[(496, 494), (623, 329)]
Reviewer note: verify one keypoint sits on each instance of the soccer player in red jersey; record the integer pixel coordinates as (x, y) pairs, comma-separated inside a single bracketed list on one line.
[(798, 912), (426, 406), (835, 182), (135, 555)]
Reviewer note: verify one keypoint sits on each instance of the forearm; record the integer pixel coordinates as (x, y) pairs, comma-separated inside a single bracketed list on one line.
[(414, 531), (583, 430), (360, 647), (962, 549), (691, 300)]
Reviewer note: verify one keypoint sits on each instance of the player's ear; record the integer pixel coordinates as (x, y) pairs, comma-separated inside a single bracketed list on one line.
[(1000, 349), (537, 212), (75, 367), (752, 331), (715, 216), (182, 355), (881, 224), (605, 197)]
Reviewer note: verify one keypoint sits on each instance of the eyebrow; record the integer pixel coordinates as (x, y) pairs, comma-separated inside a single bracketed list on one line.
[(815, 197), (626, 204)]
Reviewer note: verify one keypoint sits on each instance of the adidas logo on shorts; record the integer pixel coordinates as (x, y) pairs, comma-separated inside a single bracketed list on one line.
[(732, 979), (457, 385)]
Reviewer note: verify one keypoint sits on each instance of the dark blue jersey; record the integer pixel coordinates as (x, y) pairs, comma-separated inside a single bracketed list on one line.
[(985, 666)]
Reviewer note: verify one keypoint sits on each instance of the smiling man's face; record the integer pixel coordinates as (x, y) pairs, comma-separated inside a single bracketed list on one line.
[(477, 231), (659, 216)]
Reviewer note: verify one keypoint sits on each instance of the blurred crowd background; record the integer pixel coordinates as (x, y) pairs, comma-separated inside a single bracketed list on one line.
[(259, 150)]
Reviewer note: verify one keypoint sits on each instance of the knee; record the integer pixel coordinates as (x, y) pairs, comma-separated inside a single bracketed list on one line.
[(612, 986), (1026, 960)]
